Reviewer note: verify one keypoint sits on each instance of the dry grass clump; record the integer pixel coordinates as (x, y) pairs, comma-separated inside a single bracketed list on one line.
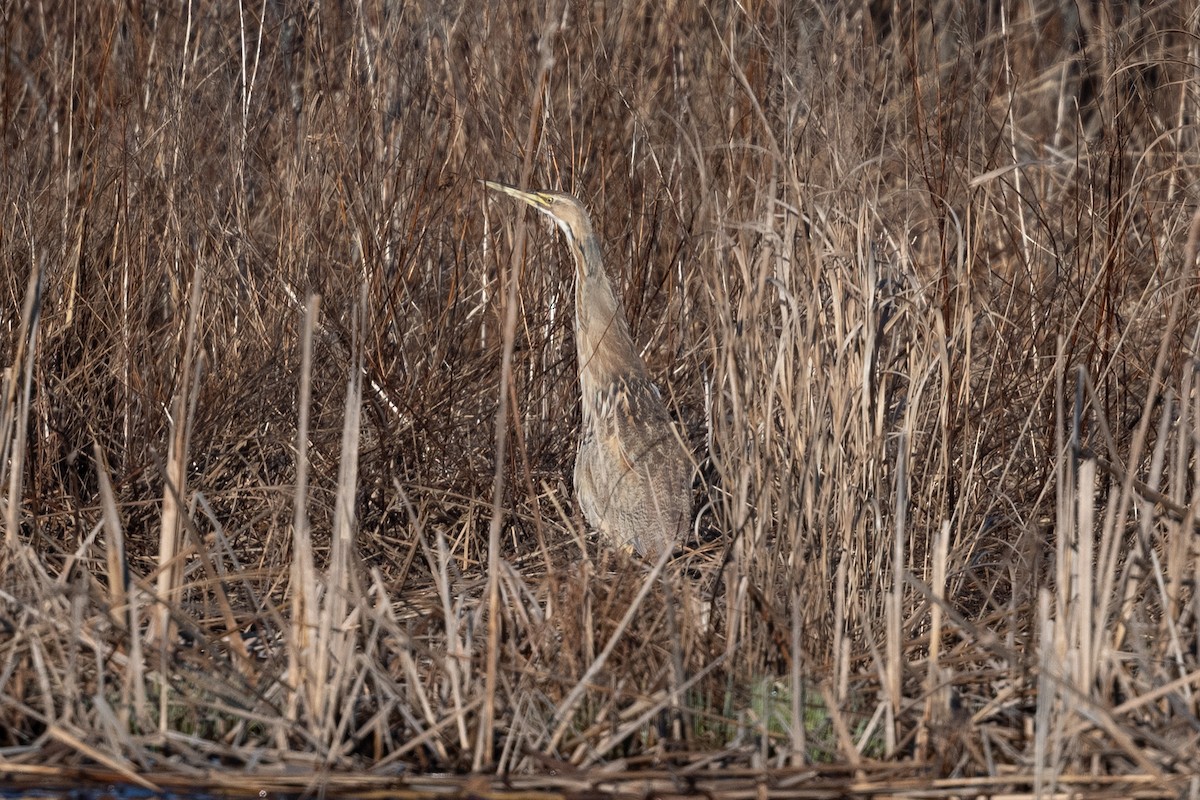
[(919, 283)]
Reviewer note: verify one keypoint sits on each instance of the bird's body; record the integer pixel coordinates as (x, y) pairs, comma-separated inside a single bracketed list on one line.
[(633, 474)]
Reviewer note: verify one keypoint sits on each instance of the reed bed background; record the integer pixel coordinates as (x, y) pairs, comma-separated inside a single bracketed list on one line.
[(280, 489)]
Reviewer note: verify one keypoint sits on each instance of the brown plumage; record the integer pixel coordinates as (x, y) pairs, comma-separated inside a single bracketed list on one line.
[(633, 474)]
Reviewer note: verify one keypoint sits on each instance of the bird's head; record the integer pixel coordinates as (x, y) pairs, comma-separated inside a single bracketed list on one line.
[(565, 210)]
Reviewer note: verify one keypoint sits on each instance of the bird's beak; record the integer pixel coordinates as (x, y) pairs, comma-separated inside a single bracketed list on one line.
[(536, 199)]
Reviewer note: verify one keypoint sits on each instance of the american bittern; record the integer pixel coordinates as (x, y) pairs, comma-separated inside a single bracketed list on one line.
[(633, 476)]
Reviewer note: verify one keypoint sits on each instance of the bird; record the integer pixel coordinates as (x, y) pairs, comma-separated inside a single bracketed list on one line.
[(633, 471)]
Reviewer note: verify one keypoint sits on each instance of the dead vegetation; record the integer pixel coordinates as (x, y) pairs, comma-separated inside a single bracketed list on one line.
[(918, 283)]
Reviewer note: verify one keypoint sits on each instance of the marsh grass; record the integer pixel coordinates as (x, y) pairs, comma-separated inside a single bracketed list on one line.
[(289, 406)]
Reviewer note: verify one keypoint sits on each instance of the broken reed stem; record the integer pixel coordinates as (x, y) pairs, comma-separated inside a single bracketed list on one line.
[(895, 606), (170, 570), (15, 413), (484, 741), (303, 587), (933, 673), (335, 638)]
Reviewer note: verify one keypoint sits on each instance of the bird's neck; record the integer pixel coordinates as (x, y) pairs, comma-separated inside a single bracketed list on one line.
[(606, 350)]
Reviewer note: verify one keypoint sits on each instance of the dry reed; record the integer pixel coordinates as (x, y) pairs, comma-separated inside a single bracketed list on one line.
[(289, 407)]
